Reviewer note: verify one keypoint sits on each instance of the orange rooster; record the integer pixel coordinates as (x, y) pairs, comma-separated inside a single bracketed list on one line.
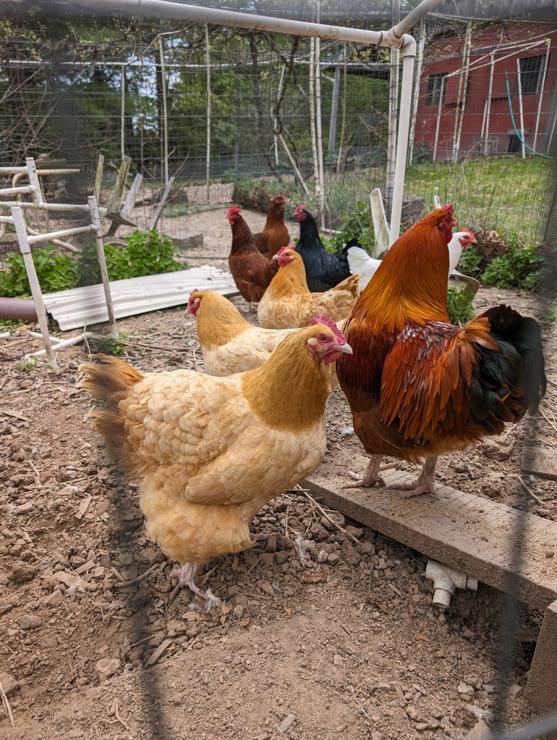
[(288, 302), (208, 452), (252, 271), (275, 234), (418, 386)]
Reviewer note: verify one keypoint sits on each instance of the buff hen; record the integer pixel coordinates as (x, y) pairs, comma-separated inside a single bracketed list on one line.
[(208, 452)]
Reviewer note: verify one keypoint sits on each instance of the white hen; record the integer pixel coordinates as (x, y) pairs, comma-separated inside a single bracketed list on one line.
[(362, 264)]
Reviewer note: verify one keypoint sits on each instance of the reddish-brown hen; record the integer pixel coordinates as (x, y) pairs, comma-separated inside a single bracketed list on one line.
[(252, 271), (419, 386), (275, 234)]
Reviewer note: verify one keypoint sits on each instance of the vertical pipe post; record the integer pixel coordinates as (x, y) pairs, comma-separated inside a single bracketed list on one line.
[(438, 122), (520, 108), (318, 121), (488, 104), (275, 119), (334, 113), (313, 120), (96, 222), (417, 81), (393, 108), (343, 122), (209, 113), (122, 111), (25, 249), (464, 99), (99, 177), (164, 112), (408, 61), (542, 90)]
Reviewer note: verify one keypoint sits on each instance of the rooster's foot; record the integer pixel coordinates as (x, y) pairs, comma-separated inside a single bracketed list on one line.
[(424, 484), (371, 477), (186, 577)]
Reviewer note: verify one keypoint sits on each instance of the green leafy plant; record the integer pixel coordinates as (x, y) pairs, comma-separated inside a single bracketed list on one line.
[(460, 304), (470, 262), (355, 224), (109, 346), (54, 271), (519, 267), (10, 325), (145, 253)]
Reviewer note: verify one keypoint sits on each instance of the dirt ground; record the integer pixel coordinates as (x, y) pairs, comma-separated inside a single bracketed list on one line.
[(97, 642)]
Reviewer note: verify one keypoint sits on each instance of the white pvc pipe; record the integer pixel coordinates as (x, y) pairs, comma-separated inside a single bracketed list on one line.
[(23, 190), (520, 108), (438, 122), (402, 144), (485, 133), (24, 248), (416, 94), (542, 90), (6, 219), (44, 206), (59, 234), (63, 343)]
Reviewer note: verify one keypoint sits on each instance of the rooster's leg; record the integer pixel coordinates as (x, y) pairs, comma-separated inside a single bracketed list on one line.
[(186, 577), (425, 482), (371, 477)]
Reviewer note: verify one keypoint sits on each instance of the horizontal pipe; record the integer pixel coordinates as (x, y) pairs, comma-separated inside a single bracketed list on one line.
[(216, 16), (59, 234), (6, 220), (12, 170), (409, 21), (22, 190), (45, 206), (14, 309)]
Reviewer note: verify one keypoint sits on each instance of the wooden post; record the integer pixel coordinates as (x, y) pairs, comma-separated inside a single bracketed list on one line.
[(209, 113), (393, 109), (158, 210), (294, 165), (274, 117), (99, 178), (25, 249), (541, 688), (343, 123), (164, 112), (380, 223), (132, 195), (416, 93), (313, 120), (319, 122), (101, 257), (118, 190), (520, 108)]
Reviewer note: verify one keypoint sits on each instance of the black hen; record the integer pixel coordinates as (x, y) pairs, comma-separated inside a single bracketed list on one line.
[(323, 269)]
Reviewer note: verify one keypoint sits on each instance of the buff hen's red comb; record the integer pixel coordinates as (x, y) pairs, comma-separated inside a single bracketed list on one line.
[(326, 321)]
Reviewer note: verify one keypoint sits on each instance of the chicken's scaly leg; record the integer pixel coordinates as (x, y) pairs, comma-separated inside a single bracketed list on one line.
[(371, 477), (425, 482), (186, 577)]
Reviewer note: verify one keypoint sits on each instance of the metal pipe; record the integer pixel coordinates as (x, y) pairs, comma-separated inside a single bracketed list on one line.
[(208, 116), (44, 206), (402, 144), (438, 122), (23, 190), (59, 234), (461, 107), (25, 249), (17, 309), (177, 11), (6, 219), (416, 94)]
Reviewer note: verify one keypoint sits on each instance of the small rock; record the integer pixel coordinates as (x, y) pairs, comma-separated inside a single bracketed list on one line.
[(238, 611), (24, 508), (176, 627), (463, 688), (73, 581), (271, 544), (479, 732), (29, 621), (6, 606), (267, 558), (350, 554), (106, 667), (421, 726), (287, 723), (333, 558), (22, 573), (9, 683), (366, 548), (54, 599), (412, 712), (266, 586), (337, 660), (75, 733), (281, 557), (514, 690), (250, 558), (356, 532)]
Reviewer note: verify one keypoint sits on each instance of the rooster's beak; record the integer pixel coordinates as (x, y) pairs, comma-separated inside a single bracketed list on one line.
[(275, 257), (344, 348)]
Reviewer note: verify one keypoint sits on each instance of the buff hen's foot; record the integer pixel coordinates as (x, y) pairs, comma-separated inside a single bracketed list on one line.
[(424, 484), (371, 477), (186, 577)]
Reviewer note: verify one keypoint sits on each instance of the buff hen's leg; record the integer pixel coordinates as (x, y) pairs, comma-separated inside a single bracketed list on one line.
[(186, 577), (425, 482), (371, 476)]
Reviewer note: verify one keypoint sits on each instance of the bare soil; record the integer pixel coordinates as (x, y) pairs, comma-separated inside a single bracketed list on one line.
[(97, 642)]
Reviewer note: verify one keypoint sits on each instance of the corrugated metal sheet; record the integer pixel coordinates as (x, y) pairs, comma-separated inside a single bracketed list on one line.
[(80, 307)]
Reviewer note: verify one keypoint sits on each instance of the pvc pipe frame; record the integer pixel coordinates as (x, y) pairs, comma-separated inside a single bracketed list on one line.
[(395, 37)]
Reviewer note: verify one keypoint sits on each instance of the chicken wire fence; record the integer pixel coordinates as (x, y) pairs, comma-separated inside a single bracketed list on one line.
[(229, 111), (235, 114)]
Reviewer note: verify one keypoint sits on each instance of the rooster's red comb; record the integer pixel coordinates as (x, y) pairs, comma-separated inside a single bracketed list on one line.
[(234, 211)]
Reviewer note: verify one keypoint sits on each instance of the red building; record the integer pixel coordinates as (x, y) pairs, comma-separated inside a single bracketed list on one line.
[(463, 107)]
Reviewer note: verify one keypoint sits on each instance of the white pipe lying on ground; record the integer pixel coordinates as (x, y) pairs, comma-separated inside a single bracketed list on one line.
[(446, 581)]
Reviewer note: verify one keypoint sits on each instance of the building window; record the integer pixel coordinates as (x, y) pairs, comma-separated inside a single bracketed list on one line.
[(434, 85), (531, 70)]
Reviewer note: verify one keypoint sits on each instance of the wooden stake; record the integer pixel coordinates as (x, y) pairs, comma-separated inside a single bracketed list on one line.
[(25, 249), (96, 221), (164, 112), (122, 111), (99, 178), (209, 113)]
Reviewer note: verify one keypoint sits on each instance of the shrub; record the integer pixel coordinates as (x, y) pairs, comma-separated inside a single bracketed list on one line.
[(460, 305), (146, 253), (519, 267), (355, 225), (54, 271)]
